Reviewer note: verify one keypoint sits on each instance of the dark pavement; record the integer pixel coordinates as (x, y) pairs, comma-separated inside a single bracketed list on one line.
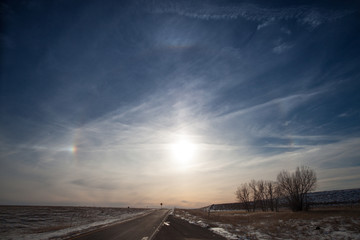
[(179, 229), (138, 229)]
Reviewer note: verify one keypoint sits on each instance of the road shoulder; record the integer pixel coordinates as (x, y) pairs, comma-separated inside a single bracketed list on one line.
[(177, 229)]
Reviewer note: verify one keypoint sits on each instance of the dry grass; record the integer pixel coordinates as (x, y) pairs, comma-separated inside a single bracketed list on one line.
[(314, 224), (39, 222), (245, 217), (49, 228)]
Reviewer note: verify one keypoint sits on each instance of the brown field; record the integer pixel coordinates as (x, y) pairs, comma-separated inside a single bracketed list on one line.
[(330, 223), (46, 222)]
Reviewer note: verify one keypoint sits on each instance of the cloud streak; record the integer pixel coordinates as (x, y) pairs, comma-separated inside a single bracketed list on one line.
[(205, 10)]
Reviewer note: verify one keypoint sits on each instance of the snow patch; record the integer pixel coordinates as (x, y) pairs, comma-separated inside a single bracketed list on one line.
[(224, 233)]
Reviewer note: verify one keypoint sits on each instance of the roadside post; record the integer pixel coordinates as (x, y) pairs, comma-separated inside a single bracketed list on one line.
[(210, 207)]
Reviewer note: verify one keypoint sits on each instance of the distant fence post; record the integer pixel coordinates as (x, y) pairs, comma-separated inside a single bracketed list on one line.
[(210, 207)]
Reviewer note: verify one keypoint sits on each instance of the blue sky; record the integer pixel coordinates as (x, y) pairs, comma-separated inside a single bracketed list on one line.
[(98, 99)]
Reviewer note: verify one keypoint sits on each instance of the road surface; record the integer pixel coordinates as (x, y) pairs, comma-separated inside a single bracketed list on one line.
[(178, 229), (141, 228)]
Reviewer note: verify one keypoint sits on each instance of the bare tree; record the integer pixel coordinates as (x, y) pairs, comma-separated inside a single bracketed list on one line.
[(243, 195), (278, 193), (262, 198), (254, 193), (296, 185), (270, 194)]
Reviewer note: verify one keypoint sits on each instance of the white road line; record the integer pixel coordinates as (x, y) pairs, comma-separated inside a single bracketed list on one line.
[(160, 225), (144, 238)]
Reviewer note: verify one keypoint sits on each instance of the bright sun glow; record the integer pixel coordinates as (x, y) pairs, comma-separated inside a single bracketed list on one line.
[(183, 151)]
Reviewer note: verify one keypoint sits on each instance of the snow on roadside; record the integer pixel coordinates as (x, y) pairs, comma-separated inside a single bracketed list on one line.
[(334, 227), (92, 226), (221, 229), (40, 223), (224, 233)]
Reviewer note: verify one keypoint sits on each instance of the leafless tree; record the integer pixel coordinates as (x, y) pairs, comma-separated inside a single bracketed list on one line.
[(270, 194), (278, 193), (262, 198), (296, 185), (254, 193), (243, 195)]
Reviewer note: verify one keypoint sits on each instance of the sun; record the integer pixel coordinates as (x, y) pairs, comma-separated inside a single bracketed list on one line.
[(183, 151)]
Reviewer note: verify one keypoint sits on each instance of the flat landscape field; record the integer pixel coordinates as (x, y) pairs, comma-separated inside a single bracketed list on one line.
[(332, 215), (37, 222), (324, 223), (28, 222)]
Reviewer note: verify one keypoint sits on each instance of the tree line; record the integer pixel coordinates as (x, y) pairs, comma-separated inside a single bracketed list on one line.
[(266, 195)]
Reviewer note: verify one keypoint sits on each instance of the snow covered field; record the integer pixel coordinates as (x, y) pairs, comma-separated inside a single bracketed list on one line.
[(29, 222), (315, 224)]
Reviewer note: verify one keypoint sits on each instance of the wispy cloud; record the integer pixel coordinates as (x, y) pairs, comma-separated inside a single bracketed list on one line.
[(265, 24), (206, 10), (131, 145), (337, 178), (106, 184), (282, 48), (290, 102)]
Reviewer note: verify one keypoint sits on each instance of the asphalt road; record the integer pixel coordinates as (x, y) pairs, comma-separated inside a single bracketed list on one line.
[(178, 229), (141, 228)]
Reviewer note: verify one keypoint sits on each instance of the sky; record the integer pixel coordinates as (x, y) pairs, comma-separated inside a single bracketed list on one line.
[(134, 103)]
